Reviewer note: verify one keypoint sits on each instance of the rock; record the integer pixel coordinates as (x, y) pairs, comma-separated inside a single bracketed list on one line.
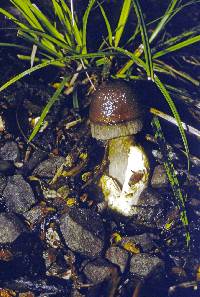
[(99, 270), (145, 266), (150, 207), (159, 178), (118, 256), (6, 167), (18, 195), (83, 231), (10, 151), (36, 158), (34, 215), (48, 168), (143, 241), (10, 228), (3, 183)]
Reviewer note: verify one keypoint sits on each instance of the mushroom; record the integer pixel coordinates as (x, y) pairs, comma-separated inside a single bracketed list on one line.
[(115, 116)]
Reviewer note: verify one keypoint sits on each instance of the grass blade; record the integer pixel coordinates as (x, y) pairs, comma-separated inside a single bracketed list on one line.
[(12, 18), (165, 19), (145, 40), (133, 57), (175, 113), (85, 21), (59, 11), (179, 38), (7, 44), (74, 27), (177, 46), (24, 8), (160, 26), (48, 37), (107, 24), (122, 21), (160, 66), (46, 23), (172, 176), (52, 62), (48, 107), (43, 44)]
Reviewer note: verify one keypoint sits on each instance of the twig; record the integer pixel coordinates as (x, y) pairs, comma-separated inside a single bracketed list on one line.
[(184, 285), (170, 119), (88, 76)]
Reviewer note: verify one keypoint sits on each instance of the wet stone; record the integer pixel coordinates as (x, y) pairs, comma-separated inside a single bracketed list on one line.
[(9, 152), (18, 195), (146, 266), (143, 241), (10, 228), (34, 215), (6, 167), (3, 182), (83, 231), (159, 178), (150, 207), (36, 158), (99, 270), (48, 168), (118, 256)]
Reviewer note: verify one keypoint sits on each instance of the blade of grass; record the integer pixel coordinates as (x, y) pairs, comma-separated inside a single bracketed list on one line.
[(46, 23), (7, 44), (165, 18), (107, 24), (158, 29), (74, 28), (175, 113), (177, 46), (174, 72), (40, 60), (12, 18), (59, 11), (48, 107), (24, 8), (122, 21), (48, 37), (85, 21), (145, 40), (179, 38), (133, 57), (52, 62), (43, 44)]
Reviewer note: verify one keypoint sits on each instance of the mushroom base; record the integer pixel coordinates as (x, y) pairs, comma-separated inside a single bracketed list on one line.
[(125, 200)]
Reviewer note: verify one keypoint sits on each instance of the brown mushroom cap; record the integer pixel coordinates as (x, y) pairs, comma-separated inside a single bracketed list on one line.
[(114, 111)]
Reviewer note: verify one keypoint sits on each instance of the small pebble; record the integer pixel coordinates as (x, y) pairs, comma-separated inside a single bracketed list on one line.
[(83, 231), (144, 265), (159, 178), (48, 168), (18, 195), (9, 152), (118, 256), (99, 270), (10, 228)]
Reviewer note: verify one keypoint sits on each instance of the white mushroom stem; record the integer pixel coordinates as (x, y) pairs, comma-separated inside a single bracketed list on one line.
[(128, 167)]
